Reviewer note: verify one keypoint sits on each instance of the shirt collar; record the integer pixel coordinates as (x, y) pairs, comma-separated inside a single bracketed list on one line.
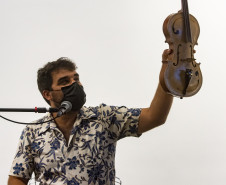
[(49, 123)]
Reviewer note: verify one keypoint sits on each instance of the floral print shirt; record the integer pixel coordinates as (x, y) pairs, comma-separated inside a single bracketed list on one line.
[(89, 156)]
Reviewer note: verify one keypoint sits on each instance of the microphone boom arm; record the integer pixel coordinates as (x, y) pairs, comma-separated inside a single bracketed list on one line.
[(36, 109)]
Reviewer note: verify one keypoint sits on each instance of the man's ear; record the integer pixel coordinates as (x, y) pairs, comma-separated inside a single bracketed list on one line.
[(46, 94)]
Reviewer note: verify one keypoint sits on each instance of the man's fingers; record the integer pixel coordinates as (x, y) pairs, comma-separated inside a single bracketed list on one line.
[(166, 54)]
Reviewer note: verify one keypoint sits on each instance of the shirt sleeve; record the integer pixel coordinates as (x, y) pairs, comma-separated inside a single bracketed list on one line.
[(121, 121), (22, 165)]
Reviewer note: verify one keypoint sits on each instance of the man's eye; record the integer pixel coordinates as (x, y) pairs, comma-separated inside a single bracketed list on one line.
[(64, 82)]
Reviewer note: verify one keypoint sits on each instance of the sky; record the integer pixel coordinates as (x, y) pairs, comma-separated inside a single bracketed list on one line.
[(117, 46)]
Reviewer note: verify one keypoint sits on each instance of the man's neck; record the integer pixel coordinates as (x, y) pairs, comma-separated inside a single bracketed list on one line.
[(65, 123), (67, 119)]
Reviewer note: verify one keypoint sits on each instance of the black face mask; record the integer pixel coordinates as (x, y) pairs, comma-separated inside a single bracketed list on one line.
[(75, 94)]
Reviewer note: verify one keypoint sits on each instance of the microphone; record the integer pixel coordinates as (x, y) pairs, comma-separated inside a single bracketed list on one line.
[(65, 107)]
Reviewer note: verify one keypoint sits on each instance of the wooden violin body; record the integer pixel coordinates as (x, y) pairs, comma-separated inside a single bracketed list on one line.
[(181, 76)]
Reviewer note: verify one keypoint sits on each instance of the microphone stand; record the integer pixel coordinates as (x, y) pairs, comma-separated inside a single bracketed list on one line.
[(36, 109)]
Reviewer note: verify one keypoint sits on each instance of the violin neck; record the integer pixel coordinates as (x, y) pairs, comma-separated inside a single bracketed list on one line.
[(186, 20)]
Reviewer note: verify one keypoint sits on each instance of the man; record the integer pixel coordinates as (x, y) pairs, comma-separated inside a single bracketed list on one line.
[(78, 147)]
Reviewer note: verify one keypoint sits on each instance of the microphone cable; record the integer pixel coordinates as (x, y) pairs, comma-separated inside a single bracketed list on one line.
[(28, 123)]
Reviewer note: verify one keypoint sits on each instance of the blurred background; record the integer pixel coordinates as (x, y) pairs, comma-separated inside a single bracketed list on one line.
[(117, 46)]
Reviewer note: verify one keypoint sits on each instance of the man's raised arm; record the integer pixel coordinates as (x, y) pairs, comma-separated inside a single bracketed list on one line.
[(158, 111)]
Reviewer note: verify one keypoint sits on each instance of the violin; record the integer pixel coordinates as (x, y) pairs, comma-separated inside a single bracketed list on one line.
[(181, 76)]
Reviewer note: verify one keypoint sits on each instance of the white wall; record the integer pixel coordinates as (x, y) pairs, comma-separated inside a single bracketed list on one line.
[(117, 45)]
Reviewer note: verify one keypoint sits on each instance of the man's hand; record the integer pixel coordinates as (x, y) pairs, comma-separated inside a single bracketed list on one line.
[(167, 55)]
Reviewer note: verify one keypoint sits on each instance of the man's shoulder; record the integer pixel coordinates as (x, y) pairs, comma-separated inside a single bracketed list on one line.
[(96, 110), (39, 124), (103, 110)]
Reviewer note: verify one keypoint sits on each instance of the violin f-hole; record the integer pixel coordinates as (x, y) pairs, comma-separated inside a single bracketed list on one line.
[(178, 55)]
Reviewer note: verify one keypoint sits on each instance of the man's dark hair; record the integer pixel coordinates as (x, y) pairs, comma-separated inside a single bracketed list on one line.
[(44, 75)]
